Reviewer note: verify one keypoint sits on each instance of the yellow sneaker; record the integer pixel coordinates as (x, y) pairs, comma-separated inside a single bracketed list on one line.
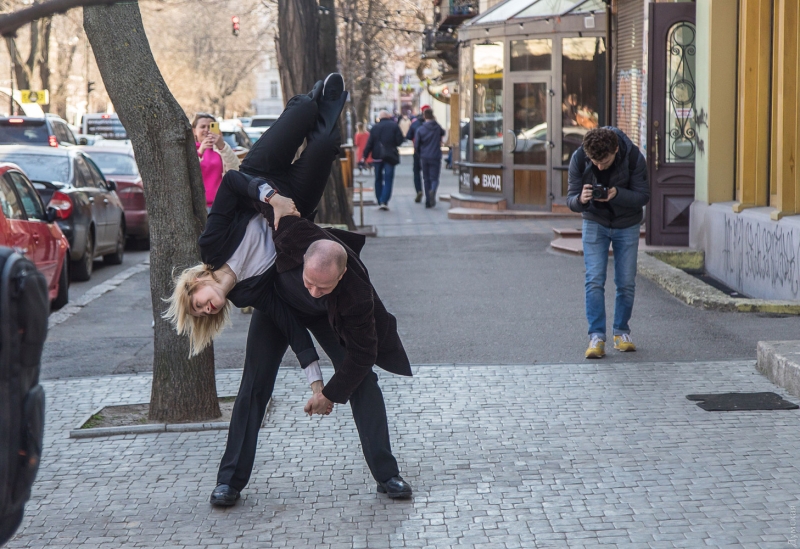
[(597, 348), (624, 343)]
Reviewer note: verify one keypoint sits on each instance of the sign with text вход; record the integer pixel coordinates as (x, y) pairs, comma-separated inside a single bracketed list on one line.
[(485, 180)]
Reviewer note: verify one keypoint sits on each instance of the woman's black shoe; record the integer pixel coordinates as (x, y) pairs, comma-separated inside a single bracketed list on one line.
[(333, 87), (316, 91), (224, 496)]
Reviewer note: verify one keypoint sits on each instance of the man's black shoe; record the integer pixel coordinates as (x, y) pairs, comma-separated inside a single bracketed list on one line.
[(224, 496), (395, 487)]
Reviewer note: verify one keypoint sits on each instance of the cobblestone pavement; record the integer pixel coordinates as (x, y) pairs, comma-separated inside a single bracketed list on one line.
[(499, 457)]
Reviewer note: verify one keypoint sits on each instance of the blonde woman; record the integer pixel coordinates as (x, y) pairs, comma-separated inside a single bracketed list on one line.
[(236, 246)]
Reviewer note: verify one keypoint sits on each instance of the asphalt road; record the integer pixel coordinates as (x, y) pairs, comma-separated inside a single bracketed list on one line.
[(460, 294)]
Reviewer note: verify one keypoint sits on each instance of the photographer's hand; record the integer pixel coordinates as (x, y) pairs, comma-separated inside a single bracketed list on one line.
[(586, 194), (612, 192)]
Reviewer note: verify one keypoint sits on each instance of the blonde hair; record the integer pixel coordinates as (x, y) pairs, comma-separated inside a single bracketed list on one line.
[(201, 329)]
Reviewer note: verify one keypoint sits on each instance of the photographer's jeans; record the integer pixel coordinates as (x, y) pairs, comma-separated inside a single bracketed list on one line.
[(625, 243)]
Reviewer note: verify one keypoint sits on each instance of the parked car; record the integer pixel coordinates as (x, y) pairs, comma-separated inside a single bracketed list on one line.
[(235, 136), (50, 131), (119, 164), (88, 138), (259, 124), (88, 211), (106, 124), (28, 227)]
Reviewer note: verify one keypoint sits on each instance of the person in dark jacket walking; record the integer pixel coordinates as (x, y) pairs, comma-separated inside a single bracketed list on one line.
[(384, 138), (416, 123), (608, 185), (428, 145)]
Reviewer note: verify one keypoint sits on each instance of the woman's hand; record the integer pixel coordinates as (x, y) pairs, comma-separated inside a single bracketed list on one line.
[(206, 143), (282, 206), (219, 141)]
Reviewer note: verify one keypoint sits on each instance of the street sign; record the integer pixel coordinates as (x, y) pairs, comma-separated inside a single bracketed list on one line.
[(41, 97)]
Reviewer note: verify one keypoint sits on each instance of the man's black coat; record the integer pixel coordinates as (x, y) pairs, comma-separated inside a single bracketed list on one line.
[(357, 315)]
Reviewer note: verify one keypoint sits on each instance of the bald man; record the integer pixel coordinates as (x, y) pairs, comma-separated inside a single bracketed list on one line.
[(325, 285)]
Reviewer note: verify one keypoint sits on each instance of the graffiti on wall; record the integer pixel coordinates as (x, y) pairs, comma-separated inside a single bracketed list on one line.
[(761, 253)]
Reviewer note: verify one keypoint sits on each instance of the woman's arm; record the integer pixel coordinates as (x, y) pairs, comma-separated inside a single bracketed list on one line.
[(229, 159)]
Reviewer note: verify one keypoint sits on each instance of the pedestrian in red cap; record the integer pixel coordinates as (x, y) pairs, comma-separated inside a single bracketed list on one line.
[(417, 169)]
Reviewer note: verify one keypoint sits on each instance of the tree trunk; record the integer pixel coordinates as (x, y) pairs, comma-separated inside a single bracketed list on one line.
[(183, 388), (306, 49), (44, 58)]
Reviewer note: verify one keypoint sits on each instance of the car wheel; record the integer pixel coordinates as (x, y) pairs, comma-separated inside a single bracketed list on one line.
[(119, 253), (82, 268), (63, 288)]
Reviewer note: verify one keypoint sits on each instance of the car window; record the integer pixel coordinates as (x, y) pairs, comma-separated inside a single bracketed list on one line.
[(8, 199), (30, 200), (115, 163), (23, 133), (230, 139), (65, 134), (40, 167), (84, 173), (99, 180)]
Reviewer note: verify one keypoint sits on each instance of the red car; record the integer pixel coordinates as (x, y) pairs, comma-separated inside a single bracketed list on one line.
[(118, 164), (27, 227)]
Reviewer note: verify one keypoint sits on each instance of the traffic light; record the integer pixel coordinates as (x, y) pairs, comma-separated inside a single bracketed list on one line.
[(235, 23), (89, 87)]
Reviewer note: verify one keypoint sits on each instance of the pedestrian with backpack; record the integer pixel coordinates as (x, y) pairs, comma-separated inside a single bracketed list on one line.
[(608, 185)]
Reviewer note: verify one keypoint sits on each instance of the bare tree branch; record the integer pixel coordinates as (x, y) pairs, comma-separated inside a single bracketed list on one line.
[(11, 23)]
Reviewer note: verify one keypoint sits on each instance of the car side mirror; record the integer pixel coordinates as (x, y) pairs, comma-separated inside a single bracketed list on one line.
[(111, 184), (83, 141), (51, 215)]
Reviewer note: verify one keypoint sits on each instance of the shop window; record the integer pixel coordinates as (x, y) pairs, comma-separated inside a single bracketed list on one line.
[(487, 119), (465, 101), (531, 55), (583, 88)]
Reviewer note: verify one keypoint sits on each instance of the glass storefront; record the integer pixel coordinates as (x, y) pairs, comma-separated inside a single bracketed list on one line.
[(465, 101), (583, 76), (531, 55), (487, 119), (530, 123)]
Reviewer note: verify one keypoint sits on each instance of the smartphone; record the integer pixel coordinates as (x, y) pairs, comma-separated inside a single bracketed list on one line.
[(213, 127)]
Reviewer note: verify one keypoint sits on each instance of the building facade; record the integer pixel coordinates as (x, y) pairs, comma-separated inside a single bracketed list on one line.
[(269, 96)]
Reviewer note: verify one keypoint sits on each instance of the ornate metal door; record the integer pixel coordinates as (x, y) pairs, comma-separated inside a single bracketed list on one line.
[(671, 122)]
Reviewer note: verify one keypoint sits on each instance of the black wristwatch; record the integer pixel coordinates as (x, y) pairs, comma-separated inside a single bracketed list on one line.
[(269, 195)]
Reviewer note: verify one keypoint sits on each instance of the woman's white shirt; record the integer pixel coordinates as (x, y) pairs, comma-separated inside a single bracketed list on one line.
[(256, 253)]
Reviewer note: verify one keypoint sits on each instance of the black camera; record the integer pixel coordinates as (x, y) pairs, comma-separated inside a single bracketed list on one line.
[(599, 191)]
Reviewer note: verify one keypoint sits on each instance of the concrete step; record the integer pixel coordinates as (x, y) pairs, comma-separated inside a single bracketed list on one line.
[(458, 200), (475, 213)]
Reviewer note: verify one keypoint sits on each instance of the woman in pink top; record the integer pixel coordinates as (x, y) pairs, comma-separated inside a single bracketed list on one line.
[(360, 141), (215, 155)]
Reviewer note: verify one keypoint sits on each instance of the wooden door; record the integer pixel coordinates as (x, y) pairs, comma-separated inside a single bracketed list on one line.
[(671, 136)]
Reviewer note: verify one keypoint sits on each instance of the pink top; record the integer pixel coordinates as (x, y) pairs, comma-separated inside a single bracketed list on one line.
[(360, 141), (211, 166)]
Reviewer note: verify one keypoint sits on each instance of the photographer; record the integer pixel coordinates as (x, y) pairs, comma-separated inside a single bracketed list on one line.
[(608, 185)]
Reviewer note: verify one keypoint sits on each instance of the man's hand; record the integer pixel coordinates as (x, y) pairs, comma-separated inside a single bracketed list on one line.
[(586, 194), (282, 206), (316, 387), (318, 404), (612, 192)]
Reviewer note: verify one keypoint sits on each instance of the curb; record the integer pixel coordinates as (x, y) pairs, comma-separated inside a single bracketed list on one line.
[(780, 362), (698, 294), (149, 428)]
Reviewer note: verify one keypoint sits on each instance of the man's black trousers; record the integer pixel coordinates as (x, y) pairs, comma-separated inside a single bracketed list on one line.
[(266, 346)]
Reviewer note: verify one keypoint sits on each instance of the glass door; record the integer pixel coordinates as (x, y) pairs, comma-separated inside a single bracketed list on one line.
[(529, 141)]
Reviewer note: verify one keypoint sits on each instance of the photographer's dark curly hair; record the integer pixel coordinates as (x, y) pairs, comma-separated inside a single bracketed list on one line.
[(599, 143)]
